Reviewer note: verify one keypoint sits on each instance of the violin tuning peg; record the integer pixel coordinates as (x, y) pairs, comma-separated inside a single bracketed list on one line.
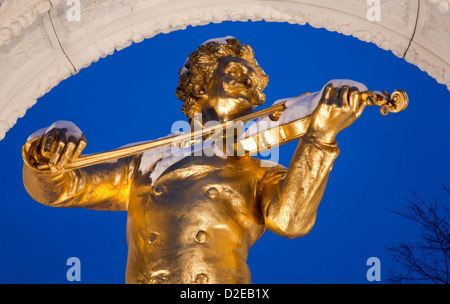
[(370, 100), (384, 110)]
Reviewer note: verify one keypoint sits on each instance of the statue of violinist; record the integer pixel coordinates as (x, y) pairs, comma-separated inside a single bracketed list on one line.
[(197, 221)]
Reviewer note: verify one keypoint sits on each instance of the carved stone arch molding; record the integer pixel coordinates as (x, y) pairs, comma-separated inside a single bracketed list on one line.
[(40, 47)]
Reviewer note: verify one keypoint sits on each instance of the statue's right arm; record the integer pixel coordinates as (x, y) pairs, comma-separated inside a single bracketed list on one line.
[(290, 198), (104, 186)]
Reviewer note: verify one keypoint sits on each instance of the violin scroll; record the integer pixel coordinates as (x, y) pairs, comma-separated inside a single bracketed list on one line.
[(394, 103)]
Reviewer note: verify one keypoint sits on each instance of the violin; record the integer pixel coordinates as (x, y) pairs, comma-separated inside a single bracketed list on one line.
[(275, 135)]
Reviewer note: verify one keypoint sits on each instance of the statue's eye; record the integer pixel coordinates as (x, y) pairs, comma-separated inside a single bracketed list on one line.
[(234, 71)]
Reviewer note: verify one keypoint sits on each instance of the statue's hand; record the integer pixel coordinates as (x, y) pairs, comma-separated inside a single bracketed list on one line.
[(56, 146), (338, 108)]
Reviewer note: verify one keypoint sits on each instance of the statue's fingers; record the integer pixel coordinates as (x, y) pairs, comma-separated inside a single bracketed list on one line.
[(354, 101), (59, 148), (343, 96), (47, 143), (362, 105), (36, 154), (67, 152), (27, 147), (335, 100), (30, 150), (327, 93), (78, 149), (31, 147)]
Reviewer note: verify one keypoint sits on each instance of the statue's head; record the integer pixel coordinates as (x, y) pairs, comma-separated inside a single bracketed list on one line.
[(221, 80)]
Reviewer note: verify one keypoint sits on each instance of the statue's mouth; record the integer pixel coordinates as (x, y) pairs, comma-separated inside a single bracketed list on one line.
[(238, 88)]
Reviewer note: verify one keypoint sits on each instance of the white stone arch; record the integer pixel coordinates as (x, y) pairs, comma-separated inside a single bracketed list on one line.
[(40, 47)]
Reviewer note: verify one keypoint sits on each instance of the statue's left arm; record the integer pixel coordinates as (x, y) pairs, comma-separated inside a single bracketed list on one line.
[(290, 198), (103, 186)]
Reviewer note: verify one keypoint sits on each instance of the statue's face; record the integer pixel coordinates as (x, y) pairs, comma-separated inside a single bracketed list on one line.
[(232, 91)]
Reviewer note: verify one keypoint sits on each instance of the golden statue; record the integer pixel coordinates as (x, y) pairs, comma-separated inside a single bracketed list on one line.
[(196, 222)]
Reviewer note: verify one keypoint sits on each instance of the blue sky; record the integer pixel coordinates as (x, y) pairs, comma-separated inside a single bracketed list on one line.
[(129, 97)]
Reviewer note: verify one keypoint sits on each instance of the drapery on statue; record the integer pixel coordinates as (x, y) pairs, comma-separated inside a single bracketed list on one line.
[(196, 222)]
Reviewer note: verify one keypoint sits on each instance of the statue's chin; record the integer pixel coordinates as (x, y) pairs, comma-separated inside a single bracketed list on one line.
[(235, 113), (224, 108)]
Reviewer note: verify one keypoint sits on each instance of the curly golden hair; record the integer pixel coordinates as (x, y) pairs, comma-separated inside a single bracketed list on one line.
[(200, 66)]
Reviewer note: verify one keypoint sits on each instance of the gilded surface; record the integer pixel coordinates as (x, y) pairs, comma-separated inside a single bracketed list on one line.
[(197, 221)]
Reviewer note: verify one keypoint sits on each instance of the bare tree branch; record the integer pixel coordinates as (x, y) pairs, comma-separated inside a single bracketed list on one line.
[(426, 260)]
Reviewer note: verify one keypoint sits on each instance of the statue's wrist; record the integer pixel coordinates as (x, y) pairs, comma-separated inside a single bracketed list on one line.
[(327, 138)]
